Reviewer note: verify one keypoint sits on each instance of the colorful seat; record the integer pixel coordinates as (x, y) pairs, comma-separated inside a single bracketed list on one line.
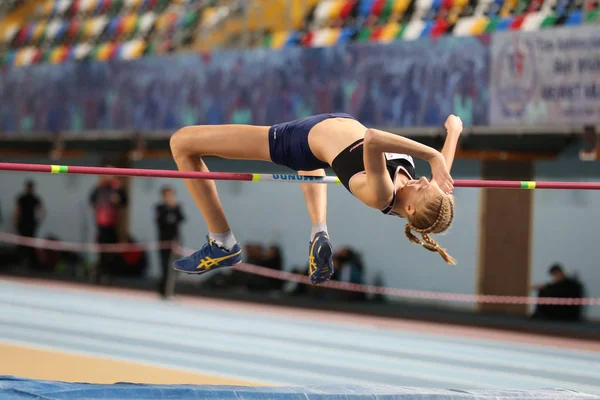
[(127, 29)]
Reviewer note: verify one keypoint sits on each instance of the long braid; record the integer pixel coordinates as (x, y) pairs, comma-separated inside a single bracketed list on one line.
[(443, 219), (432, 245), (410, 236)]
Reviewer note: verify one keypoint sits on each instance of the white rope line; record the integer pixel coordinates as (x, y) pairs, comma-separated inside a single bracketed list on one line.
[(292, 277)]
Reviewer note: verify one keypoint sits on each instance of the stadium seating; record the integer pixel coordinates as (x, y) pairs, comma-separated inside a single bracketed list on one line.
[(338, 21), (59, 30), (54, 31)]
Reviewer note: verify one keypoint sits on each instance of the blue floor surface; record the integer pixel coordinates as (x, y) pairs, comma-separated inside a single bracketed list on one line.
[(288, 350), (16, 388)]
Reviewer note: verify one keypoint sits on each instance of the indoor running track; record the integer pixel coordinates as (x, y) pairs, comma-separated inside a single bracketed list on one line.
[(251, 344)]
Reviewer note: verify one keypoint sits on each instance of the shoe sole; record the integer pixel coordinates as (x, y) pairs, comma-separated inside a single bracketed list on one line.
[(206, 270), (324, 273)]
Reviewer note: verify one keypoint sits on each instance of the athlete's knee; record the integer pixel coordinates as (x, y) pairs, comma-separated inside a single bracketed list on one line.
[(180, 140), (176, 141)]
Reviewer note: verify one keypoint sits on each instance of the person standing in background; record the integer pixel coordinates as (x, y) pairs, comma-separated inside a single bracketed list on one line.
[(29, 213), (107, 201), (169, 216), (560, 286)]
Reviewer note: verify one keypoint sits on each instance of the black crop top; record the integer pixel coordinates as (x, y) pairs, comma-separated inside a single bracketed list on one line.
[(350, 162)]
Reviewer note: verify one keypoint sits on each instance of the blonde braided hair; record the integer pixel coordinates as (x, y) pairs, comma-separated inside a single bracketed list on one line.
[(435, 217)]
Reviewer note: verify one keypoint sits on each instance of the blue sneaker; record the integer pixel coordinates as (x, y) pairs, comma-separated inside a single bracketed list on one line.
[(209, 257), (320, 265)]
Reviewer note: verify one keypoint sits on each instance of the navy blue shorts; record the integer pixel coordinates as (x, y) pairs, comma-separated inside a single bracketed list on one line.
[(288, 142)]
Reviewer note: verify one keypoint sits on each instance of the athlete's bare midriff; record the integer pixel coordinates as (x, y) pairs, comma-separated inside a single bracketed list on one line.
[(330, 137)]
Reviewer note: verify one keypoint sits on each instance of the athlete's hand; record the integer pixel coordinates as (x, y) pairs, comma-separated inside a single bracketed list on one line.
[(441, 175), (454, 125)]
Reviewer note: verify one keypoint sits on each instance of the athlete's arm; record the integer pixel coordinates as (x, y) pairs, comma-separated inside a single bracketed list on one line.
[(378, 142), (454, 128), (380, 186)]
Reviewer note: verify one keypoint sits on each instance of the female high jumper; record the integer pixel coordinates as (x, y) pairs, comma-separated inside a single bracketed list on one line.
[(376, 167)]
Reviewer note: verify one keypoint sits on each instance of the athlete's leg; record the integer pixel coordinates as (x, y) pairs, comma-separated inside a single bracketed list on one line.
[(188, 145), (315, 196), (320, 250)]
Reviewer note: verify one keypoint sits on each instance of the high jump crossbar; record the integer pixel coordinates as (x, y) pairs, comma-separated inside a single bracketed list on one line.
[(248, 177)]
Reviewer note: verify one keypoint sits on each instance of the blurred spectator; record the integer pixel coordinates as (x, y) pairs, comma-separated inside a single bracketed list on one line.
[(28, 214), (133, 262), (300, 289), (8, 257), (561, 286), (48, 259), (63, 262), (349, 268), (426, 84), (130, 263), (107, 201), (272, 259), (169, 216), (254, 253)]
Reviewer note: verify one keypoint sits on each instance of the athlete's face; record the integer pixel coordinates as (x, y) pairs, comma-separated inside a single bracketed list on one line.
[(416, 192)]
